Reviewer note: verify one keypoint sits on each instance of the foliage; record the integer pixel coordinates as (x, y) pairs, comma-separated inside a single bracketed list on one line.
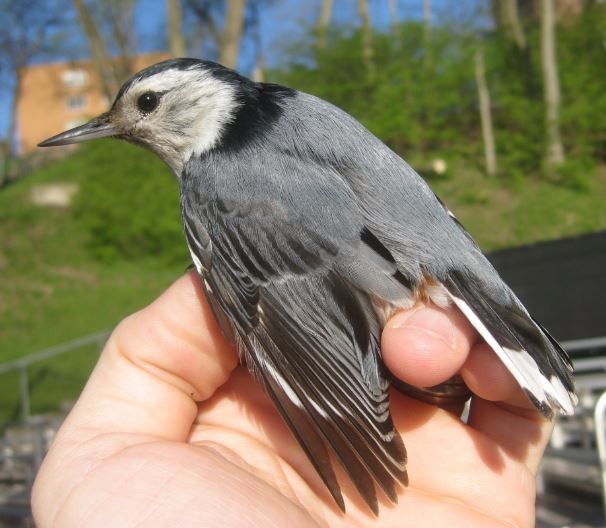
[(404, 103), (128, 202), (54, 286), (422, 100), (582, 56)]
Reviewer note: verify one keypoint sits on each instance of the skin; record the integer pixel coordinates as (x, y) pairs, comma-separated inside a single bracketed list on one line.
[(170, 431)]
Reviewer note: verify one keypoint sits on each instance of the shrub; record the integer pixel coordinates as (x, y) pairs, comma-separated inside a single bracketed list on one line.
[(128, 202)]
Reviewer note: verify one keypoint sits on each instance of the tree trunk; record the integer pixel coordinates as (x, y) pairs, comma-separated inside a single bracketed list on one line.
[(485, 114), (232, 33), (511, 18), (120, 14), (393, 16), (176, 43), (258, 73), (427, 31), (367, 45), (394, 21), (98, 50), (555, 150), (506, 16), (10, 153), (323, 23)]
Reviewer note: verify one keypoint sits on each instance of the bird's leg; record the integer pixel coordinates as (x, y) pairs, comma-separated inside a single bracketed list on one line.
[(452, 394)]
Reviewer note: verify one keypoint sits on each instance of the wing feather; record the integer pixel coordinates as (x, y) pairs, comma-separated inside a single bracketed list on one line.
[(348, 403), (296, 416), (308, 334)]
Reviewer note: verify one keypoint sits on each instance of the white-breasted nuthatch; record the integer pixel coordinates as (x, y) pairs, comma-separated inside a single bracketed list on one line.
[(307, 232)]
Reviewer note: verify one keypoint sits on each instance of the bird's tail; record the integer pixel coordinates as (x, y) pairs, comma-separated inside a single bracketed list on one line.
[(532, 355)]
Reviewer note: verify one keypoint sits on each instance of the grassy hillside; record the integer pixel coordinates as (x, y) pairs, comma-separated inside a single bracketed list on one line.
[(67, 273), (501, 214), (55, 286)]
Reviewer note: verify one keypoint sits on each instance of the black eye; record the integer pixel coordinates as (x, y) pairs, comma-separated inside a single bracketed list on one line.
[(148, 102)]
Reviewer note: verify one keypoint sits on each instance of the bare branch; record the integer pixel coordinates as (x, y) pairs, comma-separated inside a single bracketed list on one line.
[(203, 11)]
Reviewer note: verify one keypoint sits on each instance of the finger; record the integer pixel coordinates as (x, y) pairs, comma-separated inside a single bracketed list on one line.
[(154, 368), (487, 377), (502, 411), (448, 459), (428, 345)]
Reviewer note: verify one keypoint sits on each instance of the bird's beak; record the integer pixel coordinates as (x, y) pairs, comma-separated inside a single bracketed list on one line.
[(99, 127)]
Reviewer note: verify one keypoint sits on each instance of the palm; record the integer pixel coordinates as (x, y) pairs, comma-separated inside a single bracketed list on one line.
[(246, 442), (239, 465), (443, 454)]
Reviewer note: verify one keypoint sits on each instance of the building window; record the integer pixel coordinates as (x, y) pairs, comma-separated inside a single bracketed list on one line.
[(74, 78), (75, 102), (73, 123)]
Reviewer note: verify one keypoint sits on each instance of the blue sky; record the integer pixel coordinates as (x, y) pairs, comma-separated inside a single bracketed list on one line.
[(283, 22)]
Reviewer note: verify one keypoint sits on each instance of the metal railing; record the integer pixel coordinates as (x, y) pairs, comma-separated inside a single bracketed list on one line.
[(23, 445), (576, 458), (600, 434), (21, 364), (591, 372)]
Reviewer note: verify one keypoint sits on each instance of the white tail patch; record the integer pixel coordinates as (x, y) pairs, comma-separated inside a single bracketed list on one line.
[(549, 393)]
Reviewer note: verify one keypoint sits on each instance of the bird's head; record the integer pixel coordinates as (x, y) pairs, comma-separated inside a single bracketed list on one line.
[(176, 108)]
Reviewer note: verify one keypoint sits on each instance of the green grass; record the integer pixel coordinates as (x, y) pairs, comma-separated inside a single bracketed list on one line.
[(55, 287), (501, 214)]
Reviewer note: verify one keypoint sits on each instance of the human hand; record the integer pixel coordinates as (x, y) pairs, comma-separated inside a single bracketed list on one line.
[(169, 431)]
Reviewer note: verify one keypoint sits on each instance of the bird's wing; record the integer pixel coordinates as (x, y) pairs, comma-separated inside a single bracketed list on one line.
[(536, 360), (304, 331), (429, 246)]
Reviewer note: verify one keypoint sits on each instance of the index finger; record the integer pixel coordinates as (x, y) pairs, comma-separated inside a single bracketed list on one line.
[(501, 410)]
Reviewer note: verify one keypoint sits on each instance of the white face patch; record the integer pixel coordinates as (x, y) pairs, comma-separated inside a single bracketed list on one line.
[(194, 107)]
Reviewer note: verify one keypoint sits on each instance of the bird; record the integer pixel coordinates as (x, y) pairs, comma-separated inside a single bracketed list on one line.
[(308, 233)]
